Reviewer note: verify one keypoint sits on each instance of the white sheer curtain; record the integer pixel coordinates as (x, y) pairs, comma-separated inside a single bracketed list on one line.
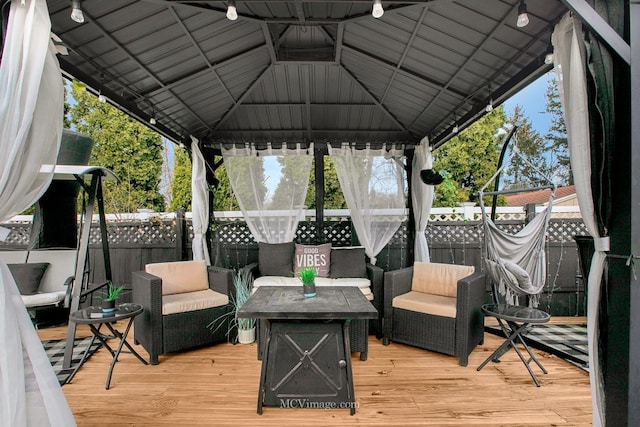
[(31, 108), (372, 183), (570, 66), (422, 198), (199, 203), (270, 186)]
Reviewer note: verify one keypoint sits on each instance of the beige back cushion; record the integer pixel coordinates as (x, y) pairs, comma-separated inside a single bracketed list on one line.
[(438, 279), (180, 276)]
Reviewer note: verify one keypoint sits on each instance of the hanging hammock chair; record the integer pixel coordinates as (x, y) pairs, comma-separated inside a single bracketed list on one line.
[(516, 263)]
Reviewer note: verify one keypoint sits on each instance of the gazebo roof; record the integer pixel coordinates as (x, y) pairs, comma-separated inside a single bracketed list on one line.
[(305, 71)]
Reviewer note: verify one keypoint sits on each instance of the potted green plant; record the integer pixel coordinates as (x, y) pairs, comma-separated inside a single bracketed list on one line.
[(110, 296), (243, 282), (308, 277)]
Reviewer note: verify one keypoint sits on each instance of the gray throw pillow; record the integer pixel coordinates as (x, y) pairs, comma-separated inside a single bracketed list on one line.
[(348, 262), (275, 259), (28, 276)]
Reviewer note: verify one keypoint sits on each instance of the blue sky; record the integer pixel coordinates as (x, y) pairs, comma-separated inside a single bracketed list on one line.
[(532, 100)]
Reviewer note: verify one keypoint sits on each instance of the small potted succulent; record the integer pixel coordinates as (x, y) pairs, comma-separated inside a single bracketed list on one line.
[(110, 296), (308, 277)]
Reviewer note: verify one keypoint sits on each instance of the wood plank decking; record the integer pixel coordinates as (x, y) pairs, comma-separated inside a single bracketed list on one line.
[(398, 385)]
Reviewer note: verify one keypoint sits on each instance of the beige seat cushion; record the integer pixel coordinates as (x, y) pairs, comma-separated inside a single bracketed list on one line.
[(436, 305), (180, 276), (438, 279), (45, 298), (192, 301)]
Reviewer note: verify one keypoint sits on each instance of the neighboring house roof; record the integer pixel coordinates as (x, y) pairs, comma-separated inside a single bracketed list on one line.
[(541, 197)]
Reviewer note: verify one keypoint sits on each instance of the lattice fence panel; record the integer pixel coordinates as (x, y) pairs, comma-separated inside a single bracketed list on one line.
[(454, 232), (19, 234), (563, 230), (141, 233), (233, 233), (339, 233)]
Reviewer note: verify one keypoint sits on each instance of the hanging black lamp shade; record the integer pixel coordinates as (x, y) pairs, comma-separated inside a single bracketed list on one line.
[(431, 177)]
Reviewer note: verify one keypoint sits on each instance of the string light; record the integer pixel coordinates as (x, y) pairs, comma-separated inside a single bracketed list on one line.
[(232, 13), (76, 12), (101, 97), (489, 107), (377, 10), (548, 58), (523, 17)]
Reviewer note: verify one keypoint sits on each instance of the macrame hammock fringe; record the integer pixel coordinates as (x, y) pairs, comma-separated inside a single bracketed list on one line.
[(517, 262)]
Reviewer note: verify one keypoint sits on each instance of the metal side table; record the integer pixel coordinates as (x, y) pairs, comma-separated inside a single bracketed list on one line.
[(514, 321), (95, 318)]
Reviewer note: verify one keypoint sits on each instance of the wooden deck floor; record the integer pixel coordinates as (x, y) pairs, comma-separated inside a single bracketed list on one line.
[(399, 385)]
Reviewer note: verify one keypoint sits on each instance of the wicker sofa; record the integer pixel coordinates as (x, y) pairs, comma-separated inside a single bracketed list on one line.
[(435, 306), (275, 267), (180, 299)]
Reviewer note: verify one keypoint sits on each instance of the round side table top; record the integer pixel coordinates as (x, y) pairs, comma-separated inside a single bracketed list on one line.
[(516, 313), (96, 315)]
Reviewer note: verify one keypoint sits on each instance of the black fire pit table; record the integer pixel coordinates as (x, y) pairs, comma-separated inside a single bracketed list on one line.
[(307, 360)]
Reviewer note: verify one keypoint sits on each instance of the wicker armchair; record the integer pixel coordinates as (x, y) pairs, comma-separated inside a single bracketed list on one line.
[(188, 311), (438, 308)]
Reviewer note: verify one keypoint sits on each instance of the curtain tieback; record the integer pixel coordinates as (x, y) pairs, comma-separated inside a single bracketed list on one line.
[(601, 244)]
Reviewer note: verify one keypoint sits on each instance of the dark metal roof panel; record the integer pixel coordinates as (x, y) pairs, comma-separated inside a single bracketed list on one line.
[(304, 69)]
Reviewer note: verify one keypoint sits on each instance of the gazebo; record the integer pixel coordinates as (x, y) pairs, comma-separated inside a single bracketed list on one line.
[(266, 74)]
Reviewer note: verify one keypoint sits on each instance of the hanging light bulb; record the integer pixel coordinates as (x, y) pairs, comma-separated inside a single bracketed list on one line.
[(455, 128), (101, 97), (548, 58), (455, 124), (232, 13), (76, 12), (523, 17), (377, 10), (489, 107), (152, 120)]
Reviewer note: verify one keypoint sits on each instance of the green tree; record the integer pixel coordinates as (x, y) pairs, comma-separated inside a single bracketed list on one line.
[(66, 123), (558, 136), (333, 197), (529, 167), (469, 160), (294, 173), (224, 199), (181, 182), (247, 183), (128, 148)]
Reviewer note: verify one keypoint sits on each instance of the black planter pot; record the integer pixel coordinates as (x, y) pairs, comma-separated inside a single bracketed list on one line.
[(309, 290), (108, 306)]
